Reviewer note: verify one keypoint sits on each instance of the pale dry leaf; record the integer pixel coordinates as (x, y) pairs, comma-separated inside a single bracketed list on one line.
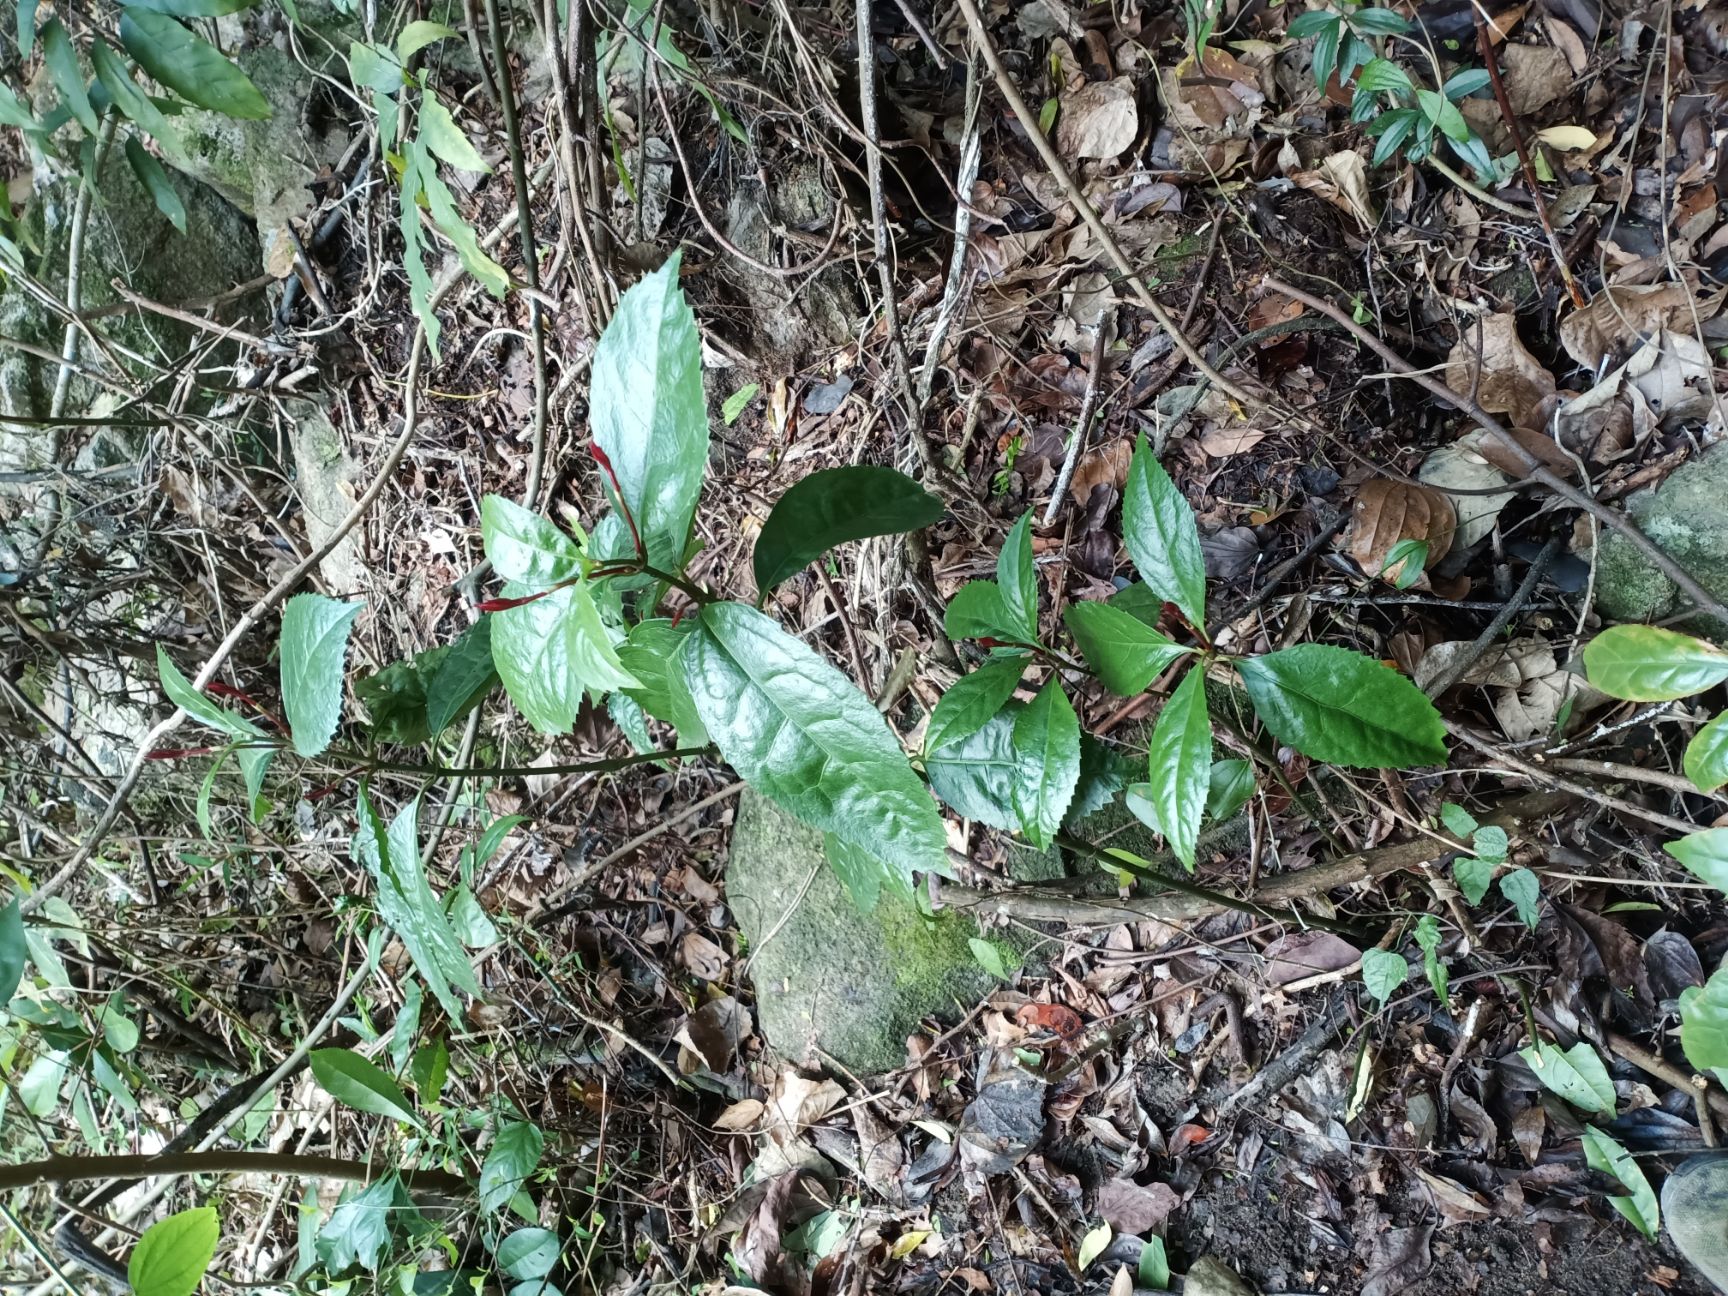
[(1098, 120), (880, 1155), (1460, 466), (1349, 172), (1621, 314), (1458, 1205), (1223, 440), (702, 957), (1492, 362), (1107, 465), (1568, 42), (799, 1103), (1387, 512), (741, 1115), (1536, 75), (1136, 1209), (1305, 954), (1673, 372), (1568, 139), (1123, 1283)]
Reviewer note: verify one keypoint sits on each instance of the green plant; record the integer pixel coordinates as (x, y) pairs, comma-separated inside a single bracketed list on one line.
[(1399, 113)]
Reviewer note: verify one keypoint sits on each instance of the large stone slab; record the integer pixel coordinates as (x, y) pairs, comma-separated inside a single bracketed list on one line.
[(1687, 517)]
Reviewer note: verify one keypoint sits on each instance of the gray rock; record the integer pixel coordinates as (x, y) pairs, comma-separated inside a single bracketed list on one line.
[(1212, 1277), (827, 977), (1695, 1209), (1686, 517), (322, 467)]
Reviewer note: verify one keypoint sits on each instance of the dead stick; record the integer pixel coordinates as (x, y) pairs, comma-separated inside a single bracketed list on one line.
[(1511, 119), (1531, 466), (61, 1170)]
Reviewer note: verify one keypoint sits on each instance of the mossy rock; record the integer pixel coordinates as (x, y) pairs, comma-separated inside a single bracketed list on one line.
[(830, 980), (1685, 517)]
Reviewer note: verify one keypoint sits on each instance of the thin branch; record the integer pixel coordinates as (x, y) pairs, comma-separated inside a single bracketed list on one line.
[(73, 1169)]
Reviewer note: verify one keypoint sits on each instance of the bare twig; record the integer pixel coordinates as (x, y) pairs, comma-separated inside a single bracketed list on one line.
[(1100, 344), (1460, 665)]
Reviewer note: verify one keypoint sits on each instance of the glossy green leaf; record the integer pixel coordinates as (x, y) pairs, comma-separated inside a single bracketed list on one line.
[(358, 1230), (1047, 753), (1017, 576), (62, 63), (417, 35), (513, 1156), (408, 905), (1230, 785), (1576, 1074), (860, 872), (355, 1082), (189, 65), (648, 412), (1383, 971), (1473, 876), (1162, 537), (1706, 760), (1650, 664), (803, 735), (1705, 855), (975, 775), (1311, 23), (1123, 651), (1704, 1024), (834, 506), (524, 547), (528, 1255), (1152, 1273), (551, 651), (174, 1253), (972, 699), (1379, 22), (313, 647), (156, 183), (124, 92), (650, 653), (13, 950), (462, 678), (1380, 75), (442, 204), (195, 704), (1104, 772), (1602, 1151), (1179, 766), (979, 611), (1343, 708), (1524, 892)]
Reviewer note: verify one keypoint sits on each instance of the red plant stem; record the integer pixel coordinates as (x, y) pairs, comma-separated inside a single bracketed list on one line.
[(618, 493), (217, 688)]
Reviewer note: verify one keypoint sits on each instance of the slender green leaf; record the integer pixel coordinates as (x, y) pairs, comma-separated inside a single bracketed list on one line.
[(407, 904), (408, 225), (994, 957), (1461, 85), (1602, 1151), (442, 204), (1343, 708), (1311, 23), (124, 92), (1047, 751), (1473, 876), (1017, 577), (181, 693), (1123, 651), (1444, 114), (739, 401), (1524, 892), (832, 507), (1228, 788), (970, 702), (1379, 22), (26, 15), (314, 647), (1428, 941), (551, 651), (156, 183), (1383, 971), (1650, 664), (1706, 760), (1180, 766), (804, 736), (979, 611), (173, 1255), (1705, 855), (648, 412), (524, 547), (440, 133), (13, 950), (1162, 537), (189, 65), (417, 35), (1576, 1074), (62, 62), (513, 1156), (352, 1080), (1380, 75)]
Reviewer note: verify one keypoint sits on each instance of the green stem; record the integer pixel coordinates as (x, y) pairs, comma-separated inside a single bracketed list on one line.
[(696, 592)]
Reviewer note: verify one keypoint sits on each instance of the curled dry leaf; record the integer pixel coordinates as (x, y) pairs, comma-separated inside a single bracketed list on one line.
[(1134, 1208), (1493, 363), (1305, 954), (1105, 466), (741, 1115), (1621, 314), (1098, 120), (1462, 467), (1388, 512), (1534, 444)]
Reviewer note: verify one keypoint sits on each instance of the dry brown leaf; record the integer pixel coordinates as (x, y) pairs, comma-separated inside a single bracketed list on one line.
[(741, 1115), (1107, 465), (1123, 1283), (702, 956), (1492, 363), (1348, 171), (1222, 441), (880, 1155), (1134, 1208), (1460, 466), (1304, 954), (1536, 75), (1534, 444), (1098, 120), (1387, 512), (1622, 313)]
